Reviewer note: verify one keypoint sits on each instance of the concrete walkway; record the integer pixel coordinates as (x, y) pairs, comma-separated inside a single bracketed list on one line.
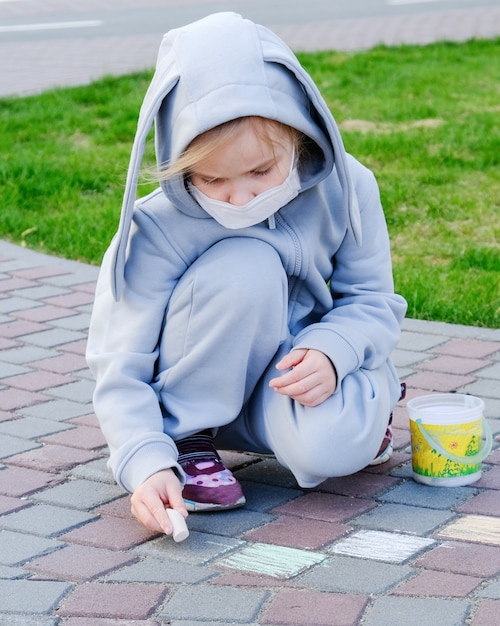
[(373, 549)]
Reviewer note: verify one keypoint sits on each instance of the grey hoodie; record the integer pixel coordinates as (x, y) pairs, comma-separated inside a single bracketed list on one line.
[(337, 257)]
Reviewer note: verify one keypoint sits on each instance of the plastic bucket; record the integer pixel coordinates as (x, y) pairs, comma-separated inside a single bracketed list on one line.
[(447, 433)]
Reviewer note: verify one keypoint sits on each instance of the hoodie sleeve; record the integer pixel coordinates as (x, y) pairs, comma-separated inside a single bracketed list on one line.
[(364, 324), (122, 352)]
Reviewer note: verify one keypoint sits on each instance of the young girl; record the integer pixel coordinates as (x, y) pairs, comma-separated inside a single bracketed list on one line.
[(248, 302)]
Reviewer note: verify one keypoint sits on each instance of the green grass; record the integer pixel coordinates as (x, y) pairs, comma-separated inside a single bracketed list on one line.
[(425, 119)]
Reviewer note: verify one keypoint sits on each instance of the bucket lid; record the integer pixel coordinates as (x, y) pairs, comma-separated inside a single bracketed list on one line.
[(445, 408)]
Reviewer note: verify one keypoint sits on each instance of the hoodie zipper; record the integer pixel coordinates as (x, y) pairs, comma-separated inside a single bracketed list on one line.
[(297, 265)]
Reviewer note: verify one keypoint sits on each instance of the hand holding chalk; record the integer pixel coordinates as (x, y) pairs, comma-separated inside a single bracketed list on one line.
[(180, 530)]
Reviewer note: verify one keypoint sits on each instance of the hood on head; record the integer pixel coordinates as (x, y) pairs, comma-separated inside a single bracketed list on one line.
[(214, 70)]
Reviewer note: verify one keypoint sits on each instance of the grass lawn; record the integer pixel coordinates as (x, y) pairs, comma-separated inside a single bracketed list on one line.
[(424, 119)]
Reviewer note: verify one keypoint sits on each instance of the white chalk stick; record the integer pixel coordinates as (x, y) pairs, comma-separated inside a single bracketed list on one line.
[(180, 530)]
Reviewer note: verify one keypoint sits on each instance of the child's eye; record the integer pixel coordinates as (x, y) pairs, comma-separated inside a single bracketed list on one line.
[(263, 172)]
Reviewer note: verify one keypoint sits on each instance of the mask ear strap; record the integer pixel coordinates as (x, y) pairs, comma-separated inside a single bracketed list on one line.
[(161, 85)]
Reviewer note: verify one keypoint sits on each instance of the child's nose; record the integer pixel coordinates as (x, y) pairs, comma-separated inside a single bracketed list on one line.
[(239, 195)]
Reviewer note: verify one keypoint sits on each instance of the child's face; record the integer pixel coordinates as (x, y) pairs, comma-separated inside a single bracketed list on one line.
[(244, 166)]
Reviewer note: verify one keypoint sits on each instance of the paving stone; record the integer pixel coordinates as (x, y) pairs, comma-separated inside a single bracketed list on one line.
[(453, 365), (491, 590), (469, 348), (438, 381), (40, 292), (79, 494), (487, 613), (50, 458), (310, 608), (75, 347), (474, 528), (96, 621), (95, 470), (18, 482), (37, 381), (228, 523), (263, 498), (78, 563), (33, 596), (46, 313), (326, 507), (82, 437), (438, 584), (419, 342), (12, 399), (17, 328), (111, 533), (342, 574), (125, 601), (44, 520), (491, 478), (199, 549), (271, 560), (79, 391), (298, 533), (59, 410), (416, 494), (360, 485), (402, 518), (462, 558), (483, 388), (9, 284), (12, 305), (381, 546), (153, 570), (416, 611), (485, 503), (9, 572), (72, 299), (10, 446), (25, 354), (34, 273), (9, 505), (268, 472), (53, 337), (215, 603), (17, 548), (32, 427)]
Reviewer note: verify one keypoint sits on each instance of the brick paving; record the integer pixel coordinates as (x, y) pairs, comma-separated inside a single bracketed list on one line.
[(371, 549)]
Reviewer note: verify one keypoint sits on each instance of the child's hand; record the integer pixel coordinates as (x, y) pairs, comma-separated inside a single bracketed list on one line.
[(311, 380), (148, 501)]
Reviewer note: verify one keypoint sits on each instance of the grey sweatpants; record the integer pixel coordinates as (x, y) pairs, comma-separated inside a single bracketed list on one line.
[(226, 327)]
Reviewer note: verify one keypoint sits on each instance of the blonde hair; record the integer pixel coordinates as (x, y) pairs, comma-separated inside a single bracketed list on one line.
[(270, 131)]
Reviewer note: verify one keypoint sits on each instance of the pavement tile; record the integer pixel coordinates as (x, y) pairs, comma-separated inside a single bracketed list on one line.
[(45, 313), (111, 533), (325, 506), (78, 563), (125, 601), (95, 470), (491, 590), (75, 347), (299, 533), (12, 399), (403, 518), (154, 570), (51, 458), (78, 391), (271, 560), (71, 300), (33, 596), (228, 523), (462, 558), (250, 579), (360, 485), (438, 584), (25, 354), (97, 621), (10, 447), (9, 284), (59, 409), (417, 611), (37, 381), (265, 497), (17, 548), (468, 348), (44, 520), (35, 273), (54, 337), (117, 508), (485, 503), (79, 494), (7, 343), (6, 416), (32, 427), (83, 437), (20, 481), (311, 608), (487, 613), (389, 547), (197, 602), (438, 381), (452, 365), (491, 478), (8, 504), (474, 528), (17, 328), (342, 574), (417, 494)]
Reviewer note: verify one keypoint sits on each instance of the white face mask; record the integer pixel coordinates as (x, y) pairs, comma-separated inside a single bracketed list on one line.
[(257, 210)]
